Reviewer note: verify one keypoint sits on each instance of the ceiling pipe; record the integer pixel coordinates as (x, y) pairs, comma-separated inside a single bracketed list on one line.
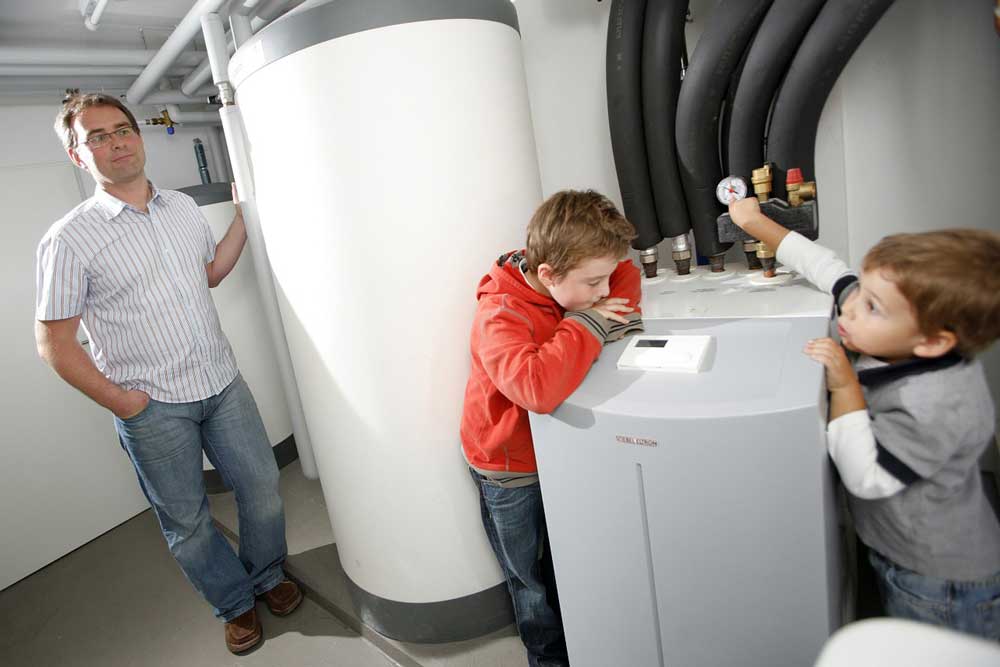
[(78, 70), (187, 117), (269, 10), (200, 96), (179, 39), (202, 73), (90, 22), (17, 55), (239, 28), (266, 12)]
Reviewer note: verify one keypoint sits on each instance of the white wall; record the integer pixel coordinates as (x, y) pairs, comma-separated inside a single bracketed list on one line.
[(65, 479), (908, 141)]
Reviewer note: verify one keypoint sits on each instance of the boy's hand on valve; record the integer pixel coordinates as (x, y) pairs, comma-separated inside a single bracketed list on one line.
[(839, 372), (743, 211), (611, 307)]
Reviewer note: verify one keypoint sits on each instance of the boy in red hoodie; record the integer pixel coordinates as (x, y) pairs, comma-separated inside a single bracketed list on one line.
[(544, 314)]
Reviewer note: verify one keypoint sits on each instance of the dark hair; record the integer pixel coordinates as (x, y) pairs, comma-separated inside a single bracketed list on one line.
[(74, 103), (951, 279), (572, 226)]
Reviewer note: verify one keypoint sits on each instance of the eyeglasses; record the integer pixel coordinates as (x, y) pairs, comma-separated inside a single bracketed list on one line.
[(102, 139)]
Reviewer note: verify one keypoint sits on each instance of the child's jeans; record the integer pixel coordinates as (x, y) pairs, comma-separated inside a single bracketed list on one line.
[(515, 524), (967, 606)]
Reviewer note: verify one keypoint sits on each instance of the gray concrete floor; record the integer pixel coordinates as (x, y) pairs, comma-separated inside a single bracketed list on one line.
[(120, 600)]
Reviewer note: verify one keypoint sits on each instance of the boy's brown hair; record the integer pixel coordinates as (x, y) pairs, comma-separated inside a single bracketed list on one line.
[(951, 279), (74, 103), (572, 226)]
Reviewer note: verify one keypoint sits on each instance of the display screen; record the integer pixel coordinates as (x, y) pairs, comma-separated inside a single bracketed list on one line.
[(651, 342)]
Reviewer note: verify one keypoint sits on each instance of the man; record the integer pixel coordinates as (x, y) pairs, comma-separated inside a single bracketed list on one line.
[(135, 264)]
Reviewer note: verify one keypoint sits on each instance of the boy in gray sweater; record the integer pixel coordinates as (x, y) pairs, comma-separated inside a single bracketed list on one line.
[(911, 414)]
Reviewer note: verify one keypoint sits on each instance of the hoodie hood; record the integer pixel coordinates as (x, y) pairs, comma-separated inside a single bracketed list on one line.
[(506, 277)]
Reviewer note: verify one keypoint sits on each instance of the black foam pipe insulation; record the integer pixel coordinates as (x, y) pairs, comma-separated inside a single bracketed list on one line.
[(773, 47), (628, 144), (662, 51), (731, 25), (832, 38)]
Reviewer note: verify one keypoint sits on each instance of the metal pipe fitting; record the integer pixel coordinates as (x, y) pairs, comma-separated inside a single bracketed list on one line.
[(681, 254), (649, 258)]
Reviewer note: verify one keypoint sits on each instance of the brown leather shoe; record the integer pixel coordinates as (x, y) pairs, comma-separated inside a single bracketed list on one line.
[(283, 598), (243, 632)]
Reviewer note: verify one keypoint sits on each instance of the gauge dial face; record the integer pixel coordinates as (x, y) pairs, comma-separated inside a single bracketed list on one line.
[(730, 189)]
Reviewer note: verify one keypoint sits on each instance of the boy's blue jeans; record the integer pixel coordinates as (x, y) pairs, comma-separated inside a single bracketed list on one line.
[(515, 525), (165, 442), (967, 606)]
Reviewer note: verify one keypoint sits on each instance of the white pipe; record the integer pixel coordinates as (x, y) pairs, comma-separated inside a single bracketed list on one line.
[(18, 55), (178, 97), (217, 47), (185, 117), (90, 22), (189, 26), (240, 28), (244, 8), (236, 141), (267, 12), (272, 9), (232, 125), (202, 73), (77, 70)]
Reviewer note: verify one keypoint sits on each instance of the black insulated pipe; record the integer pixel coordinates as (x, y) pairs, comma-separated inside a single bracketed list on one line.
[(773, 48), (662, 53), (628, 143), (199, 155), (836, 33), (716, 56)]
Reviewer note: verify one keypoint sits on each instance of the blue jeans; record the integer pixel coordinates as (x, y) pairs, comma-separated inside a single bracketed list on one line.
[(165, 443), (515, 525), (967, 606)]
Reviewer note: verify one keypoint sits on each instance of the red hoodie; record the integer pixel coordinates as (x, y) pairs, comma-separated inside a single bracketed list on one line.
[(528, 353)]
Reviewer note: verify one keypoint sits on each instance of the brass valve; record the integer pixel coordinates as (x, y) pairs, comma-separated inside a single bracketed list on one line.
[(798, 190), (761, 179), (163, 119), (766, 256)]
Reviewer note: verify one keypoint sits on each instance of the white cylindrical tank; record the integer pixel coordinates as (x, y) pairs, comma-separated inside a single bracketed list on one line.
[(242, 317), (394, 161)]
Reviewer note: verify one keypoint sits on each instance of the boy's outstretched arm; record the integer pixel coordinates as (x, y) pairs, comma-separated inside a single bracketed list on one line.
[(747, 215), (817, 264)]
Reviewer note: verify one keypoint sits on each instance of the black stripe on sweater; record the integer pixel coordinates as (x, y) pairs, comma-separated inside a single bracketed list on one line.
[(895, 467)]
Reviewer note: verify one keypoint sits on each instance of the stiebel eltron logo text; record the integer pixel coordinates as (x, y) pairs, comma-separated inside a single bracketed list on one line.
[(632, 440)]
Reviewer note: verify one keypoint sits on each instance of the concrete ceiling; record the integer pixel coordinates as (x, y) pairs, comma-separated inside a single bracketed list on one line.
[(133, 24)]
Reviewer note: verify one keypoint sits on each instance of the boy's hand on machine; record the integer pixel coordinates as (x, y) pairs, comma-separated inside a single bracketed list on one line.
[(744, 211), (611, 307), (839, 372)]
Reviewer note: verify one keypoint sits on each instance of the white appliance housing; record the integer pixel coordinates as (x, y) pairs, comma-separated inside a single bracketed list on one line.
[(692, 516)]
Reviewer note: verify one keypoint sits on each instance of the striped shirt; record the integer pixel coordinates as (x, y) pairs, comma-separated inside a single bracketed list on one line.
[(138, 281)]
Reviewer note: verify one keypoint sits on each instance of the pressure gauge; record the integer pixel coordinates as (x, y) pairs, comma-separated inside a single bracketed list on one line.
[(730, 189)]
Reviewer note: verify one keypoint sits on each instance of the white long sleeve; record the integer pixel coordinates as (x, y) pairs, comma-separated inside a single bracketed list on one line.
[(851, 444), (817, 264)]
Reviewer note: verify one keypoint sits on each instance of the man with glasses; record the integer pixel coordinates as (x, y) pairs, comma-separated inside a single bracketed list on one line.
[(134, 264)]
